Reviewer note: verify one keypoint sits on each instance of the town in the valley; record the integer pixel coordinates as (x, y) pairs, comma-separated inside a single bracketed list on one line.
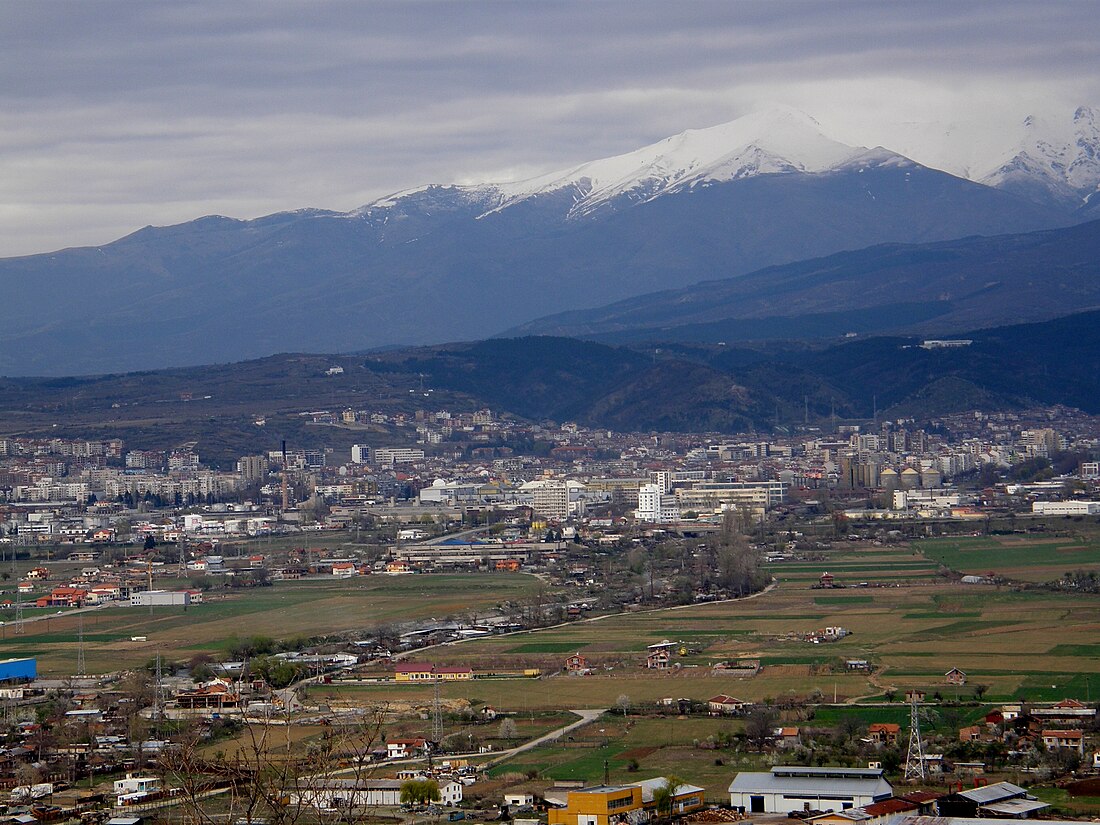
[(471, 616)]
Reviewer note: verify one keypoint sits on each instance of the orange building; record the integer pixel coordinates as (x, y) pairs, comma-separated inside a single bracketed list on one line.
[(601, 805), (613, 804)]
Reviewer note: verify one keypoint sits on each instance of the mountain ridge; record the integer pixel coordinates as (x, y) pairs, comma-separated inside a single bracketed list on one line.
[(946, 285), (452, 263)]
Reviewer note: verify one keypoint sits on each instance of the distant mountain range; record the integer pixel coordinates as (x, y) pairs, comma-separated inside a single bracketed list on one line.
[(937, 287), (683, 387), (459, 262), (690, 387)]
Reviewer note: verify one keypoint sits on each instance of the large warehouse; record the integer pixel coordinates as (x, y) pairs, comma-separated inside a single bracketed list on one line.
[(792, 788), (18, 670)]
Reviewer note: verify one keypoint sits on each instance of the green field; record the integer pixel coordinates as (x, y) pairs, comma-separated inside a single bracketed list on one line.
[(286, 610), (1007, 641), (663, 746), (1019, 558)]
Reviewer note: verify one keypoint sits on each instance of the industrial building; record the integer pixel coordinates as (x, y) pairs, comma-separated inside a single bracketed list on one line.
[(795, 788), (160, 598), (18, 670)]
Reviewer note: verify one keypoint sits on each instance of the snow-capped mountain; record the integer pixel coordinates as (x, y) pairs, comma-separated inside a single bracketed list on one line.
[(777, 140), (774, 141), (1055, 161), (448, 262), (1052, 159)]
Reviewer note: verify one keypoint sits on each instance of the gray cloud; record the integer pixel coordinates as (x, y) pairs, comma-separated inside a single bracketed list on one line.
[(117, 115)]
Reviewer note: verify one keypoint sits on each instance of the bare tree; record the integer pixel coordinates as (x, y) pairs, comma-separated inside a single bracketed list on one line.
[(759, 725), (508, 729), (269, 779)]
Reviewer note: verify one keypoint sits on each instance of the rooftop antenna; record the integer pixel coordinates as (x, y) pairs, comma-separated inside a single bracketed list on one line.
[(81, 670), (914, 762)]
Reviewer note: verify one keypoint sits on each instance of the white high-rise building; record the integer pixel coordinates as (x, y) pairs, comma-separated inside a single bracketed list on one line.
[(655, 506), (360, 454), (550, 498), (664, 480)]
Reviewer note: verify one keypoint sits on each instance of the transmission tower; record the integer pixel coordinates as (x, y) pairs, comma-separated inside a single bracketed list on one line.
[(156, 691), (181, 569), (914, 762), (437, 716), (81, 670), (18, 609)]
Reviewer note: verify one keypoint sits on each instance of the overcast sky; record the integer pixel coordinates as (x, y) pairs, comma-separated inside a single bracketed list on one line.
[(118, 115)]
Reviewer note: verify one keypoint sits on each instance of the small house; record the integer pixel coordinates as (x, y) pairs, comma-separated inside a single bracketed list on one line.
[(1064, 740), (576, 664), (724, 705), (955, 677), (884, 733), (406, 748)]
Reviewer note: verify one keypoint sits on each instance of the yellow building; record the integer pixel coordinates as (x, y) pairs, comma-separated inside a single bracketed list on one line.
[(424, 672), (601, 805), (612, 804)]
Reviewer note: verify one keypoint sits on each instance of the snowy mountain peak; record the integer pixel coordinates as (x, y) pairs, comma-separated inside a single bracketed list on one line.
[(776, 140), (1051, 160), (1057, 159)]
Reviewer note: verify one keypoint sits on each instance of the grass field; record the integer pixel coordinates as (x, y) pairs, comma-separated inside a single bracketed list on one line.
[(662, 746), (912, 624), (1020, 558), (1030, 644), (286, 610)]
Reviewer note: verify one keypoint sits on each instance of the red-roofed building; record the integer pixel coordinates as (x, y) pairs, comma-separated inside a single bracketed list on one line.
[(1064, 739), (881, 811), (884, 733), (406, 748), (413, 672), (63, 597), (576, 663)]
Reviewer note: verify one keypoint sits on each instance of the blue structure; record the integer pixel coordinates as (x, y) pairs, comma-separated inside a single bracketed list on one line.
[(18, 670)]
